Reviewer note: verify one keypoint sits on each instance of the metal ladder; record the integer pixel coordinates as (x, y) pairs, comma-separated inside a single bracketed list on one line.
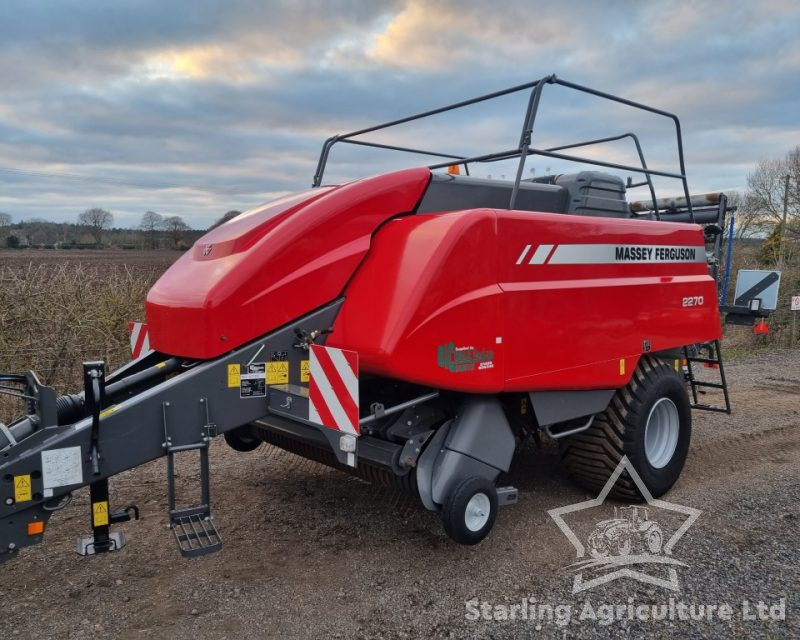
[(193, 527), (708, 354)]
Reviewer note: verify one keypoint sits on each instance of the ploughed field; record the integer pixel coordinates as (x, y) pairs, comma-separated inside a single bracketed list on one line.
[(310, 552), (61, 308)]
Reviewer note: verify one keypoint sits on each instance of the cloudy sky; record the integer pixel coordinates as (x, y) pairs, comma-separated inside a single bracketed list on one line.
[(194, 108)]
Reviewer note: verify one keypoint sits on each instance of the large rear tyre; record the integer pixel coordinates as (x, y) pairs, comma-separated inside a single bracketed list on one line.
[(470, 511), (649, 421)]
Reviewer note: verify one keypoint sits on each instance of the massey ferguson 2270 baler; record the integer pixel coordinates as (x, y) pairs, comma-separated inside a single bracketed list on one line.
[(414, 328)]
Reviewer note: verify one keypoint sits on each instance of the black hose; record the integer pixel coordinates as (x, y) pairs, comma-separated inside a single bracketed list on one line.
[(161, 369), (71, 408)]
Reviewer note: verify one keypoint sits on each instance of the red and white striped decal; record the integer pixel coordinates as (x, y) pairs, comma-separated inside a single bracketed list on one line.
[(140, 339), (333, 388)]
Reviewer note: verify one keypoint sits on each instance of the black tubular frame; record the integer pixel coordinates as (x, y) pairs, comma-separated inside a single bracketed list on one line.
[(524, 149)]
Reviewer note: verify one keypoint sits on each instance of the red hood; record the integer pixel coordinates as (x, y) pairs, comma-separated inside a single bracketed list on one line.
[(272, 264)]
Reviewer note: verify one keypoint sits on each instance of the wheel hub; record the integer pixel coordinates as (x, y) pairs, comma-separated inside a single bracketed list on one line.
[(476, 515), (661, 433)]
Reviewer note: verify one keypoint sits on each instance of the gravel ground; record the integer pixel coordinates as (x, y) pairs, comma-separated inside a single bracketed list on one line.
[(312, 553)]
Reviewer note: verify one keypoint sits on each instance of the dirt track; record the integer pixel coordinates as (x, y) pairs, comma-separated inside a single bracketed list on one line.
[(310, 552)]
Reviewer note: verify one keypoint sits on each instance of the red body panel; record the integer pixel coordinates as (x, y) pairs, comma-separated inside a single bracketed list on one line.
[(454, 278), (272, 264), (428, 280), (479, 301)]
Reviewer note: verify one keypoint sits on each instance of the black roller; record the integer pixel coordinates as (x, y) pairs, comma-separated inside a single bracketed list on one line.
[(372, 473)]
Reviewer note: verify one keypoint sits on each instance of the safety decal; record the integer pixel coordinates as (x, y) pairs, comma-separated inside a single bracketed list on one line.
[(107, 412), (22, 488), (333, 388), (100, 513), (234, 375), (253, 383), (278, 372), (140, 339), (62, 467), (304, 370)]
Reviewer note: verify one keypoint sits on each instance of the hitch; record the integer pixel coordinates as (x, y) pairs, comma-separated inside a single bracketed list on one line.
[(140, 413)]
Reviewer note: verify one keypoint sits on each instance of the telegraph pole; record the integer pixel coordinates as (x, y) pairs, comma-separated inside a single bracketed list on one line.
[(783, 223)]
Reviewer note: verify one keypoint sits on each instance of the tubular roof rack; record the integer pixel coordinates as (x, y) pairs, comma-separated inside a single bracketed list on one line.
[(524, 148)]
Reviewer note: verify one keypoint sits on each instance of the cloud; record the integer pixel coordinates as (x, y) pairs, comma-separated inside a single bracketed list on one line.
[(206, 106)]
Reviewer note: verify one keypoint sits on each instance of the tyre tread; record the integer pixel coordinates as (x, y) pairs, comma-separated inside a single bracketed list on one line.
[(593, 455)]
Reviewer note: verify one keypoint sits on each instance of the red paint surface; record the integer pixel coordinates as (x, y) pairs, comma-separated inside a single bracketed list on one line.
[(272, 264), (415, 283), (433, 279)]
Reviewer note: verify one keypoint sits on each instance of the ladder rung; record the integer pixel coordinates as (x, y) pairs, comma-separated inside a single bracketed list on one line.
[(708, 407), (710, 355), (187, 447), (701, 383)]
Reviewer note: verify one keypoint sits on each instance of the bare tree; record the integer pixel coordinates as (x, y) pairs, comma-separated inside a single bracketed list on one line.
[(150, 224), (5, 219), (175, 228), (774, 195), (96, 219), (767, 187), (750, 220)]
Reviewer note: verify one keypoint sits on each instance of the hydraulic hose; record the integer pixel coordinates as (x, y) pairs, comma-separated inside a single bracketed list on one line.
[(162, 368), (71, 408)]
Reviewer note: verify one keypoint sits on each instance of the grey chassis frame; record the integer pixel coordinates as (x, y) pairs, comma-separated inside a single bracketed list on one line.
[(178, 414)]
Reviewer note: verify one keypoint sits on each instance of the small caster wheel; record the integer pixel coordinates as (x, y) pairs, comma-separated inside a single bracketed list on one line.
[(242, 440), (469, 512)]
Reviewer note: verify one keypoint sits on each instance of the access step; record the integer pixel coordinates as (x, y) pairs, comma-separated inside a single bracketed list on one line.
[(710, 355), (195, 532), (193, 527)]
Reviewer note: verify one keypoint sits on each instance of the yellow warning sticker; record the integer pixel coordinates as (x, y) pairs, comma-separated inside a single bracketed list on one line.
[(234, 375), (622, 366), (304, 370), (278, 372), (100, 513), (107, 412), (677, 365), (161, 365), (22, 488)]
